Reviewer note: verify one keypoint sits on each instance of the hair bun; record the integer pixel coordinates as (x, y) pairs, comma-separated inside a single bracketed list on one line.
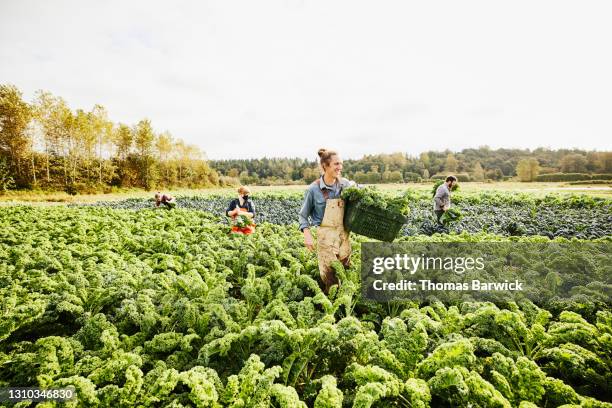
[(322, 152)]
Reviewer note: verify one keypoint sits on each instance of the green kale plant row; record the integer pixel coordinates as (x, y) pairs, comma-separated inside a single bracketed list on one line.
[(510, 215), (160, 308)]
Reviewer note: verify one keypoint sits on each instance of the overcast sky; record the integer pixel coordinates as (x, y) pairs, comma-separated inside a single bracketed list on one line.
[(283, 78)]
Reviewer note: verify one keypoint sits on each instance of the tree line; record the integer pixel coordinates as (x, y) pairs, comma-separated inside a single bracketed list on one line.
[(45, 144), (478, 164)]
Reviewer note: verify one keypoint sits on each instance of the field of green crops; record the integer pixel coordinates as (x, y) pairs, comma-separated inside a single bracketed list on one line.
[(135, 306), (552, 216)]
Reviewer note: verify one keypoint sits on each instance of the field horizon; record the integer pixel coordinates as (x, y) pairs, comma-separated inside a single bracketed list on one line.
[(533, 188)]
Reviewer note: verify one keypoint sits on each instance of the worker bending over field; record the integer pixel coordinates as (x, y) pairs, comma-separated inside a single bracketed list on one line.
[(165, 199), (323, 208), (442, 198)]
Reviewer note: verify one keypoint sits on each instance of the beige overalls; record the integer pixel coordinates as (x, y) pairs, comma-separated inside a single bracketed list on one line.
[(332, 241)]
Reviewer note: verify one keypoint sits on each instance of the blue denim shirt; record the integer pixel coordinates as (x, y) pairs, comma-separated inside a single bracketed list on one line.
[(313, 207)]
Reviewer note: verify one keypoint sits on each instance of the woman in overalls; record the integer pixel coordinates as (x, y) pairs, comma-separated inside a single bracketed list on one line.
[(323, 208), (242, 205)]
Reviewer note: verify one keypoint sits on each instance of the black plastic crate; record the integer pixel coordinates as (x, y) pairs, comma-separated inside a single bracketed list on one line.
[(372, 222)]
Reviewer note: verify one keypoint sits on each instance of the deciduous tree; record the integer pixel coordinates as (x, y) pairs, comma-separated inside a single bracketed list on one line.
[(527, 169)]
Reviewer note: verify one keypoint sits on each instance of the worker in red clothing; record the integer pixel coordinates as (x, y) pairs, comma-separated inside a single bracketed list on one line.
[(242, 211)]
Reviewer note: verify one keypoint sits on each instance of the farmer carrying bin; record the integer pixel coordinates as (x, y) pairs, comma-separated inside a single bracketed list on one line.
[(242, 211), (442, 198), (323, 208)]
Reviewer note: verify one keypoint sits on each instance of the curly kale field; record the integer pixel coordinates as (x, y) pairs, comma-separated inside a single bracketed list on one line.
[(159, 308), (502, 214)]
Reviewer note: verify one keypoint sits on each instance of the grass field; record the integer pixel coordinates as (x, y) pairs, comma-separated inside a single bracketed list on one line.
[(58, 198)]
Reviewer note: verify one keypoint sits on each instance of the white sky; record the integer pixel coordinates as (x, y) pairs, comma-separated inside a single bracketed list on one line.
[(283, 78)]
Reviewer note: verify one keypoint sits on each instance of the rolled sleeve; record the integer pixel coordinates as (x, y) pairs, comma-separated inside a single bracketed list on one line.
[(231, 207), (306, 210)]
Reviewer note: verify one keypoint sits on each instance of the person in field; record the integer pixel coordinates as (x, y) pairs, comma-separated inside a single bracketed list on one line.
[(323, 209), (242, 212), (166, 199), (442, 198)]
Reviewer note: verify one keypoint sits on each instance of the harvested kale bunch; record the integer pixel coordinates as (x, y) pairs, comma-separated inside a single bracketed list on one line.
[(372, 197), (438, 183), (451, 215)]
